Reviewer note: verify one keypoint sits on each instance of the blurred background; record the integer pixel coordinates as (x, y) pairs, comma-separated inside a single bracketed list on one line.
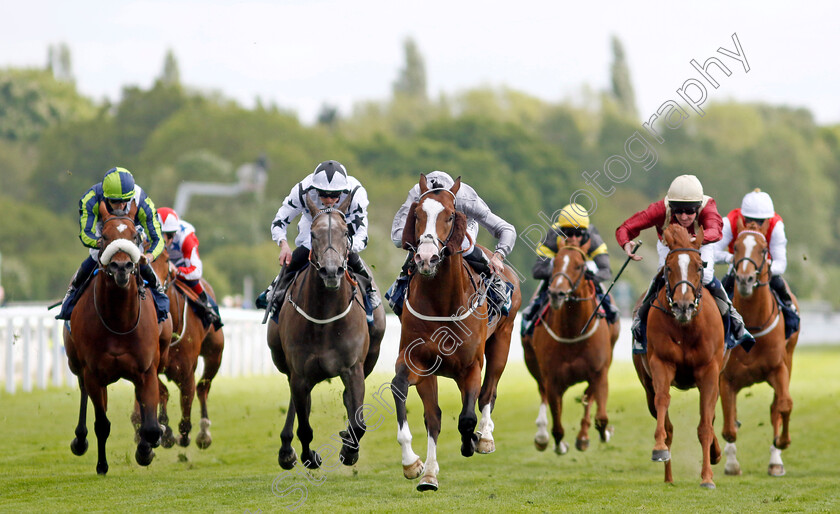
[(251, 97)]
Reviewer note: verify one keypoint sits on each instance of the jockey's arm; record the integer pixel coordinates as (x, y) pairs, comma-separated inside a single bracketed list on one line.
[(398, 224), (722, 254), (292, 206), (88, 218), (357, 220), (149, 220), (778, 249), (189, 248)]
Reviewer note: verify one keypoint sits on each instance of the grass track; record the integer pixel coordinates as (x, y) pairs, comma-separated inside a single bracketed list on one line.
[(39, 473)]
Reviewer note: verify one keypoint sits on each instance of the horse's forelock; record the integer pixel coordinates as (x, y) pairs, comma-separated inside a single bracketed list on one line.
[(409, 236)]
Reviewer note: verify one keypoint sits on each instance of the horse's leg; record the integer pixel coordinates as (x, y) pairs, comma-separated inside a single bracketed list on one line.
[(708, 386), (147, 394), (428, 391), (79, 445), (541, 437), (412, 465), (470, 384), (167, 440), (211, 352), (601, 389), (302, 397), (287, 457), (101, 426), (496, 352), (582, 440), (662, 374), (555, 402), (729, 406), (187, 386), (376, 332), (780, 410), (354, 396)]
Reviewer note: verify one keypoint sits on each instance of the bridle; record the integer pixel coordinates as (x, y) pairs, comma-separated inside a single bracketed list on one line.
[(568, 297), (137, 237), (759, 269), (106, 271), (669, 292), (313, 259), (432, 238)]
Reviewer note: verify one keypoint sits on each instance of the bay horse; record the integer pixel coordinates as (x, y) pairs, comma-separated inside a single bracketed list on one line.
[(322, 332), (560, 354), (445, 332), (685, 349), (114, 333), (190, 339), (771, 358)]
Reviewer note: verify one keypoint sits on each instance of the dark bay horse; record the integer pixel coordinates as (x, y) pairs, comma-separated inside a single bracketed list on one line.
[(114, 334), (190, 339), (322, 332), (685, 349), (445, 332), (771, 358), (558, 355)]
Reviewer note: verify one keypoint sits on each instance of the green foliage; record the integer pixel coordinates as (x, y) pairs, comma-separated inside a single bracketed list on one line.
[(622, 85), (412, 78)]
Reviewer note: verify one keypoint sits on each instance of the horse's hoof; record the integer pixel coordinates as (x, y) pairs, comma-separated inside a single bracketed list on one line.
[(79, 447), (287, 460), (203, 440), (184, 440), (101, 468), (486, 446), (468, 445), (607, 434), (541, 442), (732, 470), (561, 448), (661, 456), (582, 444), (314, 462), (776, 470), (413, 471), (348, 456), (708, 485), (144, 455), (167, 440), (428, 483)]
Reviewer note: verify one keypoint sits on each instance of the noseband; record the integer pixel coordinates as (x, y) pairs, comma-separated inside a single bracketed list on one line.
[(758, 268), (136, 242), (669, 292), (313, 259)]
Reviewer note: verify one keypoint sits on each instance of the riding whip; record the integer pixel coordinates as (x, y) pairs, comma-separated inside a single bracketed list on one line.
[(272, 294), (629, 257)]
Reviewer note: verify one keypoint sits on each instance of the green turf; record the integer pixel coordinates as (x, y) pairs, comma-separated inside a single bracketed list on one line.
[(39, 473)]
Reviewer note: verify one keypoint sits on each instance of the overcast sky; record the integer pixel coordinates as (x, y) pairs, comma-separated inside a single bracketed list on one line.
[(302, 54)]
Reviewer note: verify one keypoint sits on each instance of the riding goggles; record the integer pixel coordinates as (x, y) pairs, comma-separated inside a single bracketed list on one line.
[(328, 194), (574, 232)]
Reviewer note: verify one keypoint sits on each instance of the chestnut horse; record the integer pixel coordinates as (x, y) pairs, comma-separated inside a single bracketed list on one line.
[(113, 334), (445, 332), (190, 339), (322, 332), (685, 349), (559, 355), (770, 359)]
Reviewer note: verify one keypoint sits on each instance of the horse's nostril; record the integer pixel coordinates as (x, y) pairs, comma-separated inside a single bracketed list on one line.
[(434, 259)]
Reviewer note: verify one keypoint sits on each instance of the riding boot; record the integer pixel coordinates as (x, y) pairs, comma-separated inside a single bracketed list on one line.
[(639, 326), (397, 292), (79, 278), (610, 311), (532, 311), (210, 315), (791, 314), (739, 332), (478, 261), (159, 294), (358, 267), (728, 283)]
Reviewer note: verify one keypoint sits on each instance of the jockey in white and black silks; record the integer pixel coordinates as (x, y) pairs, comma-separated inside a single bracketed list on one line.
[(327, 186), (478, 214), (757, 207), (686, 205), (572, 228), (182, 246), (118, 190)]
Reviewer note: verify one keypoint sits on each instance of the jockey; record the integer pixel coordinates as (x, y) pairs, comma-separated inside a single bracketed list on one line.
[(182, 245), (757, 207), (118, 190), (478, 213), (327, 186), (571, 229), (685, 204)]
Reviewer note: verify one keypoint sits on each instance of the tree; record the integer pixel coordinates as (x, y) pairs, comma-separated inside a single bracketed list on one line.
[(59, 63), (412, 79), (171, 75), (622, 86)]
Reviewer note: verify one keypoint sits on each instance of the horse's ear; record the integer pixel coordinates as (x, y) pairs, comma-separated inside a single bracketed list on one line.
[(739, 224), (103, 211), (132, 209), (765, 226), (313, 209), (459, 230), (455, 187), (423, 185), (668, 236), (344, 206), (698, 237), (409, 237), (586, 246)]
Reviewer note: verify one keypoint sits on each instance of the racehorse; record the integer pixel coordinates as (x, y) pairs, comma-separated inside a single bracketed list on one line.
[(769, 360), (114, 333), (322, 332), (559, 355), (445, 332), (685, 349), (190, 338)]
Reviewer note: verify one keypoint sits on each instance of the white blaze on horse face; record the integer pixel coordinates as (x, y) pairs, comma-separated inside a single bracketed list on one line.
[(683, 260), (121, 227), (404, 438), (427, 246), (563, 269), (749, 244)]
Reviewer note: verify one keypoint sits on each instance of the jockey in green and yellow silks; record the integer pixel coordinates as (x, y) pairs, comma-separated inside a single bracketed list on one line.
[(118, 190)]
